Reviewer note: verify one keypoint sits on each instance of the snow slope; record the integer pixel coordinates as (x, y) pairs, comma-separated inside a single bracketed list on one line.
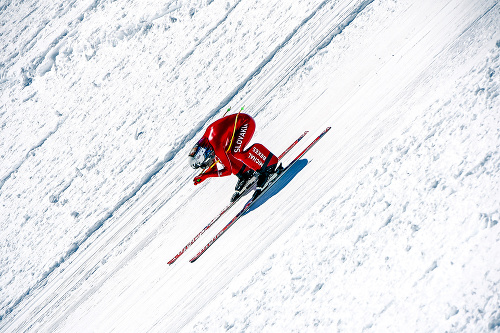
[(390, 223)]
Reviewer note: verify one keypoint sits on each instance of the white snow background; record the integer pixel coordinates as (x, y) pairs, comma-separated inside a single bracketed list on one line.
[(389, 224)]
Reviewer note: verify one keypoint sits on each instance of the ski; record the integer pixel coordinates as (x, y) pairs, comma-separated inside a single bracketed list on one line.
[(247, 189), (247, 206)]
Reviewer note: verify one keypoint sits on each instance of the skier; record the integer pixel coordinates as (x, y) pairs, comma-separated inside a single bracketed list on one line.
[(225, 140)]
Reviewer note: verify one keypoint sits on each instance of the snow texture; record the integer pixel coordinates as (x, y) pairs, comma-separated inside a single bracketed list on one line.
[(390, 223)]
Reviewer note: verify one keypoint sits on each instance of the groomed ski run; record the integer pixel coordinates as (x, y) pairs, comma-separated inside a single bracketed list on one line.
[(389, 224)]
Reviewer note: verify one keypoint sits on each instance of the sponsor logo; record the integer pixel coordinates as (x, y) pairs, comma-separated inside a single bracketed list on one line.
[(239, 140), (258, 153), (255, 159)]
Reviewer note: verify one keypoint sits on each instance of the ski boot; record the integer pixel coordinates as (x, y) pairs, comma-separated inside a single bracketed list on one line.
[(264, 177), (241, 184)]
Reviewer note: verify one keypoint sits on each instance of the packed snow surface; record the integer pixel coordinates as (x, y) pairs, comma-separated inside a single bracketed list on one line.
[(389, 223)]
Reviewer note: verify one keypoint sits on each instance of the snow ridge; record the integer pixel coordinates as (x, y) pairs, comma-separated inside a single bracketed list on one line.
[(31, 152), (209, 32)]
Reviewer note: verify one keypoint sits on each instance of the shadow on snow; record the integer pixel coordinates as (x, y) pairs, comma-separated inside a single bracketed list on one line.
[(280, 184)]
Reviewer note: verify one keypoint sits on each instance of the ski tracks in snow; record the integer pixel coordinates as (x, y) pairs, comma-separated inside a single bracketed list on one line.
[(313, 34)]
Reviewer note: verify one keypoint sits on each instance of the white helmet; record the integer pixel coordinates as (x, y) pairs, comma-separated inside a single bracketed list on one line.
[(202, 155)]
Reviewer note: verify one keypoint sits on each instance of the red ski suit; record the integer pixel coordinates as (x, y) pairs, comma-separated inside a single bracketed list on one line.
[(229, 140)]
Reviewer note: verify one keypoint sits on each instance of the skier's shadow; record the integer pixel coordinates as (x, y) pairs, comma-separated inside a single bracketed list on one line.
[(280, 184)]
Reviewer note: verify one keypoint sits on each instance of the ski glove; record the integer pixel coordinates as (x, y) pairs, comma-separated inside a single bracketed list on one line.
[(199, 179)]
